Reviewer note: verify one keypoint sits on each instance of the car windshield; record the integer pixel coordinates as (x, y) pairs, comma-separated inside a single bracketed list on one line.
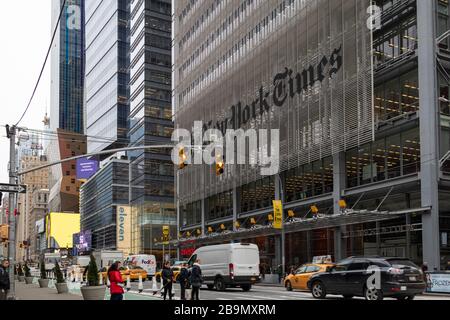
[(402, 263)]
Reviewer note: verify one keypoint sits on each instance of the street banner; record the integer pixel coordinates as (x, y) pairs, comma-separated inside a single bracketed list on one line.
[(438, 282), (278, 214)]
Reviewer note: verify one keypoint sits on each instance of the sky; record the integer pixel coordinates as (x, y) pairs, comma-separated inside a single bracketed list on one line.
[(25, 33)]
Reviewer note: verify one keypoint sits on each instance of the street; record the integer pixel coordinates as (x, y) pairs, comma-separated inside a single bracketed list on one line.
[(271, 293)]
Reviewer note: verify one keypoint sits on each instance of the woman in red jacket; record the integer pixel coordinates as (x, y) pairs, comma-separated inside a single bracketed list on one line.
[(115, 278)]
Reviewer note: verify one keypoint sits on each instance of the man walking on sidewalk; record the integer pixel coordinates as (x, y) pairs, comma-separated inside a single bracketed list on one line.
[(4, 280)]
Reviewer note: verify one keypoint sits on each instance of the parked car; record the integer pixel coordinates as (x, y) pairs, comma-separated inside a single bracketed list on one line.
[(299, 280), (228, 265), (132, 271), (398, 278)]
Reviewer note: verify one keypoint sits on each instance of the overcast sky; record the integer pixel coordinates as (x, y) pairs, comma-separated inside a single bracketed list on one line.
[(25, 32)]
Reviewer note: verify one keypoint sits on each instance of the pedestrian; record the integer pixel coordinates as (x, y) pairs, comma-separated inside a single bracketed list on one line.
[(167, 277), (183, 278), (4, 280), (115, 278), (425, 270), (196, 280)]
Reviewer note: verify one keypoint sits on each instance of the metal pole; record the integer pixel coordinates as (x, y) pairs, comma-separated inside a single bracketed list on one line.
[(12, 208)]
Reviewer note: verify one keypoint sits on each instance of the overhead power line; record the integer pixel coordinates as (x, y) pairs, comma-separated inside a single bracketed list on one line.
[(45, 63)]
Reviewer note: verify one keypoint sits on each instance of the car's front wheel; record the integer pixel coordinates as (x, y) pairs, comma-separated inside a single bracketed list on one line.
[(288, 286), (318, 290), (373, 294), (246, 287)]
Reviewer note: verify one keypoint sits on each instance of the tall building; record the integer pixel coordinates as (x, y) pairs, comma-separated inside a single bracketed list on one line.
[(63, 183), (67, 67), (28, 205), (107, 74), (107, 108), (366, 129), (152, 183), (99, 214)]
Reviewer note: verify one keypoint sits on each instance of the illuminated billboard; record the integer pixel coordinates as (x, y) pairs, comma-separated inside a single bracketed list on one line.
[(60, 229), (82, 243)]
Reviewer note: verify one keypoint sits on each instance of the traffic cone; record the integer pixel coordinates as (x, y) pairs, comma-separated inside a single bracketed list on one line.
[(154, 286), (141, 284), (128, 283)]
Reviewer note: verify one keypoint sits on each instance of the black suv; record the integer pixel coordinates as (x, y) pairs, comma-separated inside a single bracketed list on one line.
[(357, 276)]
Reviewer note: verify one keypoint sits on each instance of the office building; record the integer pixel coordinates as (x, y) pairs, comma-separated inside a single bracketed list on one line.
[(107, 74), (364, 138), (152, 182)]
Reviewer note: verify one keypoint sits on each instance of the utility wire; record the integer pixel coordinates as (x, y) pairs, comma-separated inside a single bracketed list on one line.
[(45, 63)]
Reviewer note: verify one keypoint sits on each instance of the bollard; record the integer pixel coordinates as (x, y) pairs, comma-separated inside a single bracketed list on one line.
[(141, 284), (154, 286), (128, 283)]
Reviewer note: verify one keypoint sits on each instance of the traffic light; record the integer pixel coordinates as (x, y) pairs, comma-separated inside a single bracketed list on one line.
[(220, 166), (4, 232), (183, 159)]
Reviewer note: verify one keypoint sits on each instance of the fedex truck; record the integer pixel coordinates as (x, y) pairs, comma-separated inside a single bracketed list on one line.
[(146, 262)]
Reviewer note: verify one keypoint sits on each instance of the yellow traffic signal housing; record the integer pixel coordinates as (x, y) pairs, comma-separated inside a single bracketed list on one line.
[(220, 166), (4, 232), (183, 159)]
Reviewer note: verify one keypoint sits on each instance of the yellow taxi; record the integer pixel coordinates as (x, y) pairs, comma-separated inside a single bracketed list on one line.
[(176, 272), (132, 271), (301, 276)]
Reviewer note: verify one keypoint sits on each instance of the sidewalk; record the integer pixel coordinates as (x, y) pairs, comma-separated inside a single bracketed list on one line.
[(33, 292)]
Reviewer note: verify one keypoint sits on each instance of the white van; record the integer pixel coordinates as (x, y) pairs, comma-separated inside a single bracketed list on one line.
[(146, 262), (229, 265)]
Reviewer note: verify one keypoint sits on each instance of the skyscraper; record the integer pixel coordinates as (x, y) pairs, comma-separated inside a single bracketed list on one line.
[(67, 67), (107, 109), (152, 182), (107, 74)]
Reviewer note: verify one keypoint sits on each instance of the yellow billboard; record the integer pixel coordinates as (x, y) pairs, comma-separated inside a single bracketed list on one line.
[(61, 227), (124, 230)]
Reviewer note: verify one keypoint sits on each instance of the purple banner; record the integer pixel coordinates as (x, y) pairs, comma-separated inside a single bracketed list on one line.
[(86, 168)]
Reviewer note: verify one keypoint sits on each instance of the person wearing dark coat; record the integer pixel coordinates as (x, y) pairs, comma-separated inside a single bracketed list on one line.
[(167, 277), (196, 280), (183, 278), (4, 280)]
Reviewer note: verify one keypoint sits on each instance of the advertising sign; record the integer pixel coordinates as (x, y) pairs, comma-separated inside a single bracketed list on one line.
[(86, 168), (438, 282), (278, 214), (124, 230), (40, 226), (82, 243), (60, 229)]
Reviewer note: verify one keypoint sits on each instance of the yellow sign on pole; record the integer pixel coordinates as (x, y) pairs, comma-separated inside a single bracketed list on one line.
[(278, 214)]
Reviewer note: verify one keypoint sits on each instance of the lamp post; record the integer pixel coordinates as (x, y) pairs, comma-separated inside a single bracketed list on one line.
[(283, 231)]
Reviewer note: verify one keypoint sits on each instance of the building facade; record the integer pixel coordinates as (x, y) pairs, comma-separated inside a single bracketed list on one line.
[(151, 183), (354, 106), (107, 74), (63, 184), (67, 67), (99, 213), (28, 205)]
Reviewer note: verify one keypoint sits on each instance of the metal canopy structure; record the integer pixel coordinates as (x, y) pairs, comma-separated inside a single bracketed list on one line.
[(348, 217)]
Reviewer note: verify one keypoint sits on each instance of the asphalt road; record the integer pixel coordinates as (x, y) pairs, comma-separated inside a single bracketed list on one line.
[(257, 293)]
